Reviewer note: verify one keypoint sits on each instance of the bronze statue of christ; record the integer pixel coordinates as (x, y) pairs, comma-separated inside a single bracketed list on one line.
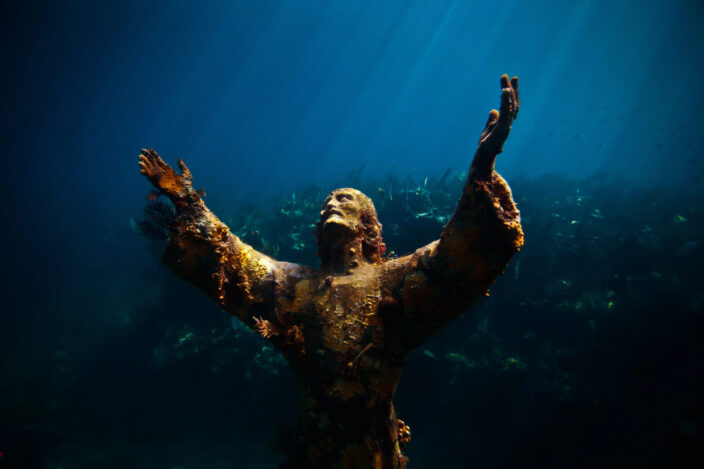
[(347, 327)]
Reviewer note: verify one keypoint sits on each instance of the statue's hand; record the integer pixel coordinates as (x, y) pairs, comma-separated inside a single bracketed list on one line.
[(176, 187), (497, 127)]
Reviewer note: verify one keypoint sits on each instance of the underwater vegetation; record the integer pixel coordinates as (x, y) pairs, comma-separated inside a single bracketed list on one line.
[(159, 221), (588, 352)]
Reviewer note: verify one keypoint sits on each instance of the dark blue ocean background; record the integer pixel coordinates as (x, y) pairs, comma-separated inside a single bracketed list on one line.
[(588, 353)]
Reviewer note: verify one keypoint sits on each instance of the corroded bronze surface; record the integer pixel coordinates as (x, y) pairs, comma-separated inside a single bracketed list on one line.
[(347, 328)]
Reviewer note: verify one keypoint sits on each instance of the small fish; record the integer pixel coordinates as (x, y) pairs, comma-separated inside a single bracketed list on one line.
[(429, 354), (153, 195), (425, 182), (201, 192)]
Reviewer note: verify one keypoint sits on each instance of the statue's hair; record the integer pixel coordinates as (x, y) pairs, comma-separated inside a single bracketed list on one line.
[(373, 247)]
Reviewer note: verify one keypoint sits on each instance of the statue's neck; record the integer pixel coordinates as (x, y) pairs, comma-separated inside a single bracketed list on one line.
[(342, 255)]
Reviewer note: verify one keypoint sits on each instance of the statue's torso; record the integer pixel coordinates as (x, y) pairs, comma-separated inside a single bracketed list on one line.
[(345, 337), (348, 377)]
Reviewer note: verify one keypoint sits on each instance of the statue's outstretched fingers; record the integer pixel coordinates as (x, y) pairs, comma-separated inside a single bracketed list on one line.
[(149, 154), (146, 166), (184, 170), (514, 85), (154, 158), (162, 164), (490, 124), (506, 110), (505, 82), (493, 117)]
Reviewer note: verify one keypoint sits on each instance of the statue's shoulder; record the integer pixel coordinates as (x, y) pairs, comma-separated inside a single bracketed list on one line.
[(288, 275)]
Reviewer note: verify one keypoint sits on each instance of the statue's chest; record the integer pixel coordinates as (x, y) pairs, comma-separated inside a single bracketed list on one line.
[(339, 314)]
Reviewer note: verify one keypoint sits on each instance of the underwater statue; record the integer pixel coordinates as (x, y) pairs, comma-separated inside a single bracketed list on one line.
[(347, 328)]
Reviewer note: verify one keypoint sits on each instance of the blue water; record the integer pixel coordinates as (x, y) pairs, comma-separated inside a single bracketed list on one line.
[(262, 98)]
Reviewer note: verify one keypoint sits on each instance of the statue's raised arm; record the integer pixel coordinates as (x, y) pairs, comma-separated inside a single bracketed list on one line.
[(202, 250), (439, 281)]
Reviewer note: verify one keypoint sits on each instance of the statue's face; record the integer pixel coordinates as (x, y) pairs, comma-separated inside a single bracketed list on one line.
[(342, 211), (349, 215)]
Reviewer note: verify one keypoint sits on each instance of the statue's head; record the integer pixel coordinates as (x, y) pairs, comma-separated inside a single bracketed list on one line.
[(348, 214)]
